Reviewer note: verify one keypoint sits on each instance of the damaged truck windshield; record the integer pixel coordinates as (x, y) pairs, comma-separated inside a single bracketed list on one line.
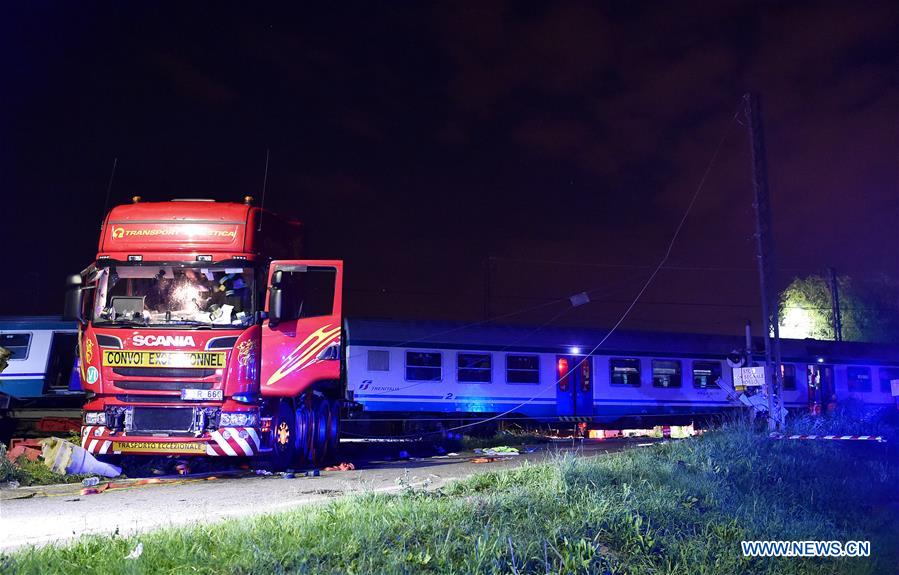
[(160, 295)]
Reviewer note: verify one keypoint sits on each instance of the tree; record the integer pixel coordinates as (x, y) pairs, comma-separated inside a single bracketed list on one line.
[(867, 315)]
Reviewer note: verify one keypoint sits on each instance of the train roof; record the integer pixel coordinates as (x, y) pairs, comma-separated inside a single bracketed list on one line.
[(499, 337), (27, 322)]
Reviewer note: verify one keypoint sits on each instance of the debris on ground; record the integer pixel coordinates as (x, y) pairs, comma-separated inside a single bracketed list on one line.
[(484, 460), (263, 472), (90, 481), (499, 450), (136, 552), (341, 467), (64, 457), (30, 449)]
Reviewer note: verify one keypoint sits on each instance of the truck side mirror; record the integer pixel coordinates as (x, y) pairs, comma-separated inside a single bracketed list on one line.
[(74, 299), (274, 304)]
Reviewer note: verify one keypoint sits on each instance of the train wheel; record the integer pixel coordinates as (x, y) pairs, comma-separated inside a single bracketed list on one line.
[(284, 437)]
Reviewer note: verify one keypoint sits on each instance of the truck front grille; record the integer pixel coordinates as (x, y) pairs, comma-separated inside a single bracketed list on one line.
[(162, 419), (163, 385), (163, 372)]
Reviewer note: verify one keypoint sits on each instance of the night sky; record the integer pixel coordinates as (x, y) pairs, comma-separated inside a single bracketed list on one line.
[(554, 144)]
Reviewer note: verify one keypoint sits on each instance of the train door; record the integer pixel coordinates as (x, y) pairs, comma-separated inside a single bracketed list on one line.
[(574, 389), (822, 397)]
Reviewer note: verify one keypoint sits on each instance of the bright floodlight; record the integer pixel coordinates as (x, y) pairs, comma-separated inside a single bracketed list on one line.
[(797, 324), (574, 350)]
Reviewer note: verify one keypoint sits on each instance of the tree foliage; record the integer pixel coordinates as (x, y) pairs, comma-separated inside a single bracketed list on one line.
[(869, 314)]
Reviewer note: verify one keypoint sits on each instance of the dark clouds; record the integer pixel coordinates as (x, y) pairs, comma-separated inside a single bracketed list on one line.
[(416, 140)]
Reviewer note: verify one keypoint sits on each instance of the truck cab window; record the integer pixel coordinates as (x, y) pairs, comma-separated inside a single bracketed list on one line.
[(308, 292)]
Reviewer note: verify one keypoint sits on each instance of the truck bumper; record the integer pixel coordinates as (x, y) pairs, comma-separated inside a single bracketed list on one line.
[(223, 442)]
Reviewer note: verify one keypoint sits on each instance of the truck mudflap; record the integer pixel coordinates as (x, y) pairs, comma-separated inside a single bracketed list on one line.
[(223, 442)]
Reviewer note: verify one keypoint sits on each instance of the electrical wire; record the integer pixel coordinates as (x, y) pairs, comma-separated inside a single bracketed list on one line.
[(629, 308)]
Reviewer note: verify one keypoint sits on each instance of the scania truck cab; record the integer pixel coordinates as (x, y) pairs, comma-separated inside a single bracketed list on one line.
[(202, 332)]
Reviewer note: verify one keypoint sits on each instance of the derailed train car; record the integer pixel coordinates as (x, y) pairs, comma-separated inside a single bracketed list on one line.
[(447, 371), (40, 391)]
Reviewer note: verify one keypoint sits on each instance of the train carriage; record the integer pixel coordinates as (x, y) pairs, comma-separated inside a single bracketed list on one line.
[(441, 370), (40, 384)]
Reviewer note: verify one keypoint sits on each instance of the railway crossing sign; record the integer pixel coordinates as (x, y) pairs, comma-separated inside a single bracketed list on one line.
[(749, 376)]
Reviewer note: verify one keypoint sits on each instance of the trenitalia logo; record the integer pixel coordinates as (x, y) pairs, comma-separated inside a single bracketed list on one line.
[(163, 341), (306, 353)]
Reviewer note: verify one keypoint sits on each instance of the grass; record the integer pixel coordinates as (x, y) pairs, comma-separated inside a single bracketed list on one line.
[(678, 507)]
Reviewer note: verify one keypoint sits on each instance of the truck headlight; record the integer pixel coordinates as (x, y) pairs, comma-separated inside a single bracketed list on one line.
[(238, 419), (95, 418)]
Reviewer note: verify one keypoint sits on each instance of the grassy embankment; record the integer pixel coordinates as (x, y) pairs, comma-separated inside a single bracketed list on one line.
[(679, 507)]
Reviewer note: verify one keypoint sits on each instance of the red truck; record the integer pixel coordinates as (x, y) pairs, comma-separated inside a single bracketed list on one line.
[(203, 333)]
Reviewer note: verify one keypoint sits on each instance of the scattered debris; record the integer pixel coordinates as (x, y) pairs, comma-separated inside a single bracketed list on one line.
[(30, 449), (341, 467), (136, 552), (500, 450), (90, 481), (64, 457), (483, 460), (13, 484), (263, 472)]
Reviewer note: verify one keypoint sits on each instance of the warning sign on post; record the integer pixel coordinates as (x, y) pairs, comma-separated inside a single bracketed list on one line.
[(749, 376)]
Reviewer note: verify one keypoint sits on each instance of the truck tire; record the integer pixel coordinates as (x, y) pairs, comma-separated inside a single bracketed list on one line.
[(304, 425), (321, 411), (284, 437), (334, 430)]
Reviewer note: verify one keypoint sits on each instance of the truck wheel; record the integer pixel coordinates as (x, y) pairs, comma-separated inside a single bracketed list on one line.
[(334, 430), (304, 426), (284, 437), (321, 410)]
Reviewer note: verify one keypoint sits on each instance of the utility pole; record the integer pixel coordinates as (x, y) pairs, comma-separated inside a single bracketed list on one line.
[(765, 255), (835, 305)]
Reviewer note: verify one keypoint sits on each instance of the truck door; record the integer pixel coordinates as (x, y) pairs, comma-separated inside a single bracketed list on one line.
[(303, 346), (574, 390)]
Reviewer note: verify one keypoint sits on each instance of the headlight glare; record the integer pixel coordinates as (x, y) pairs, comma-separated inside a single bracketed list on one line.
[(94, 418)]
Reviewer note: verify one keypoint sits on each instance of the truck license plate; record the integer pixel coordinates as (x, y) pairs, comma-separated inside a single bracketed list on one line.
[(202, 394)]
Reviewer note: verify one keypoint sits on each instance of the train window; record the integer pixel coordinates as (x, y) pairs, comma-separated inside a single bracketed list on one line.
[(17, 344), (858, 378), (624, 371), (378, 360), (474, 368), (887, 374), (523, 369), (788, 372), (666, 373), (424, 366), (706, 374)]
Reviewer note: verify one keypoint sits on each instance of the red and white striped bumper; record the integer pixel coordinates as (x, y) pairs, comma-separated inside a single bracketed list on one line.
[(233, 441), (95, 439), (223, 442)]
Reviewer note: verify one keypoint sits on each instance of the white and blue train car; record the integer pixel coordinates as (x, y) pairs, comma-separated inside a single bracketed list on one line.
[(409, 370), (41, 378)]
